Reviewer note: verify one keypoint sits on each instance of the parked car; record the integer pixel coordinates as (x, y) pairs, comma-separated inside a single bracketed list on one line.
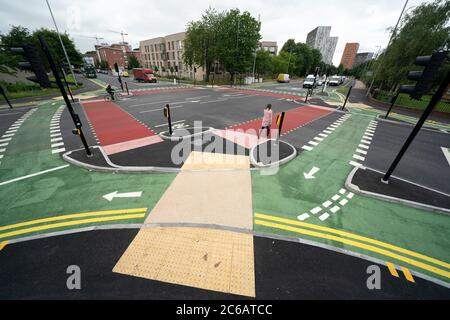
[(283, 78), (310, 82), (124, 73), (144, 75)]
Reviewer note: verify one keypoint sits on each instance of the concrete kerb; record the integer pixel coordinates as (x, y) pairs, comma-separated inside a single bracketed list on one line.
[(379, 117), (354, 188), (275, 164), (149, 169), (166, 135)]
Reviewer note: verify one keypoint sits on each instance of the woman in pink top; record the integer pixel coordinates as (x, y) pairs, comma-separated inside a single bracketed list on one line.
[(267, 120)]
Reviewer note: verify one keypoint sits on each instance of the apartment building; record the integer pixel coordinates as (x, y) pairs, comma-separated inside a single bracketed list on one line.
[(166, 54), (320, 39), (362, 57), (349, 55), (270, 46)]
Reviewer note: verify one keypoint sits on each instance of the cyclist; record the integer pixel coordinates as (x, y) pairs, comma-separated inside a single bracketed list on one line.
[(110, 91)]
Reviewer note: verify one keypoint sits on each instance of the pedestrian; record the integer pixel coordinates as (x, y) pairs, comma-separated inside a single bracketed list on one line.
[(266, 121)]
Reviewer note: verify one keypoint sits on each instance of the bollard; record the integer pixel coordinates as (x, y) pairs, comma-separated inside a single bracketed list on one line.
[(346, 98), (126, 86)]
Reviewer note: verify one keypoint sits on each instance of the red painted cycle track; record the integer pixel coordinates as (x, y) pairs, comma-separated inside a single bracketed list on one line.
[(245, 134)]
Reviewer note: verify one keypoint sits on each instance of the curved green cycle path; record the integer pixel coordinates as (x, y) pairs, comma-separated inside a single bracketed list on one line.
[(288, 195)]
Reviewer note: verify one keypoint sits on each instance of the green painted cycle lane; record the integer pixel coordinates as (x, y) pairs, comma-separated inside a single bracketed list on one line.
[(73, 190), (29, 150), (66, 191), (288, 195)]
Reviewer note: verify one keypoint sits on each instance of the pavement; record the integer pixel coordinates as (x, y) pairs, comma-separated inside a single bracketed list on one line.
[(287, 226)]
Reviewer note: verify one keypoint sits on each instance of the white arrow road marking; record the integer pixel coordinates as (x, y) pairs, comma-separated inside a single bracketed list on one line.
[(311, 173), (116, 194), (446, 154)]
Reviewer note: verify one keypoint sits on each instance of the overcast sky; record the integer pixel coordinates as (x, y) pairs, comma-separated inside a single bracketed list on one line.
[(363, 21)]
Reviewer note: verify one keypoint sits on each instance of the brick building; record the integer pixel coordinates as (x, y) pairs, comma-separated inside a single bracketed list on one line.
[(117, 53)]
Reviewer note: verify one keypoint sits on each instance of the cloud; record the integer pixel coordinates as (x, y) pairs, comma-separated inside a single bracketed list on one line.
[(363, 21)]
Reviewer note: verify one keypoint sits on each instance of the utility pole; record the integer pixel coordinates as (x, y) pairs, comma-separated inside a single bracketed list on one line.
[(254, 61), (390, 40), (237, 47), (62, 44)]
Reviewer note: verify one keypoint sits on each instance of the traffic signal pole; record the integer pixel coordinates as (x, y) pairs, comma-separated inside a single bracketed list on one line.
[(433, 102), (2, 91), (75, 117), (392, 104)]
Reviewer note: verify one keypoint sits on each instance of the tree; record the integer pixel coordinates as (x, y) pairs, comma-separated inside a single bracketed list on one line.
[(16, 37), (52, 39), (230, 37), (133, 62), (19, 36), (202, 41), (264, 64), (239, 39), (422, 31), (280, 63), (303, 59)]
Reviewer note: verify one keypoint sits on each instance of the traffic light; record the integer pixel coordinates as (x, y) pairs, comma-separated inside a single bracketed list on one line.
[(34, 63), (424, 78)]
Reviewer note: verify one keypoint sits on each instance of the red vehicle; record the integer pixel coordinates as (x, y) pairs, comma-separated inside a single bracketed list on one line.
[(144, 75)]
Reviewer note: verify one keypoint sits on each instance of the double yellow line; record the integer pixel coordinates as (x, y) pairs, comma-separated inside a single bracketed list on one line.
[(357, 241), (73, 220)]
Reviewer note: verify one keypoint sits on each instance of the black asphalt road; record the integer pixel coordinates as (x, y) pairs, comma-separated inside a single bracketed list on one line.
[(72, 141), (215, 108), (132, 84), (423, 163), (88, 86), (284, 270), (9, 116)]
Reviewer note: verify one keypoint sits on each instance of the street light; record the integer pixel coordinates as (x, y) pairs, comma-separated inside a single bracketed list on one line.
[(389, 43), (62, 44)]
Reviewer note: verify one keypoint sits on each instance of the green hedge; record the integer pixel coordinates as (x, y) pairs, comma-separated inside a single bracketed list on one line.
[(404, 100)]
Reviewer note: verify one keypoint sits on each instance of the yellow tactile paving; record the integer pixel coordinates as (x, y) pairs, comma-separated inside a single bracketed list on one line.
[(203, 258), (208, 197)]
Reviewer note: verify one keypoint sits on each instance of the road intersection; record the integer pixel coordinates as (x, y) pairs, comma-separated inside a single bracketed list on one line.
[(244, 220)]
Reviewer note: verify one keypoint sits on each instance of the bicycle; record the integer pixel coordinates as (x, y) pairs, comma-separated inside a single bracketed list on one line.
[(117, 96)]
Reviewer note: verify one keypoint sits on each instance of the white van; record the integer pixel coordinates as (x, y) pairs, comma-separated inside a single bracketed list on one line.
[(310, 82)]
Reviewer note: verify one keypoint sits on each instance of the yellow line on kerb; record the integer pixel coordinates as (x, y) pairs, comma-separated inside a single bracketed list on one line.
[(356, 244), (392, 269), (71, 223), (3, 245), (356, 237), (72, 216)]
